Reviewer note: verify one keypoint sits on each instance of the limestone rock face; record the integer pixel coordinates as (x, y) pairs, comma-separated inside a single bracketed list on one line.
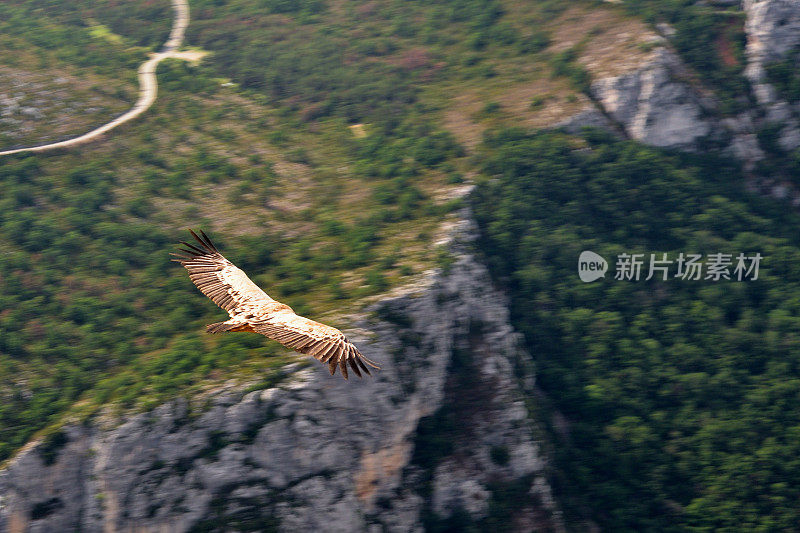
[(773, 33), (655, 104), (436, 432), (659, 102)]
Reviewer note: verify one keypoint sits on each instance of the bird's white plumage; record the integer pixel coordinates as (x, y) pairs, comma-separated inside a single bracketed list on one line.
[(248, 293)]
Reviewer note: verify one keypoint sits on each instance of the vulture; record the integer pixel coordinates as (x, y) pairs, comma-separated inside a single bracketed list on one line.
[(250, 309)]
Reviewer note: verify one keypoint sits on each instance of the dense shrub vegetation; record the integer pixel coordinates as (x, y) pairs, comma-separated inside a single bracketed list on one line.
[(683, 398), (139, 22), (362, 68), (784, 76)]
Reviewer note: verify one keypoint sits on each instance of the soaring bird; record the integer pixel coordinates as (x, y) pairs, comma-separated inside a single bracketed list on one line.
[(252, 310)]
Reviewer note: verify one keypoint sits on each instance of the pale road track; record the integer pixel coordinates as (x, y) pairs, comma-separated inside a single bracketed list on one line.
[(148, 86)]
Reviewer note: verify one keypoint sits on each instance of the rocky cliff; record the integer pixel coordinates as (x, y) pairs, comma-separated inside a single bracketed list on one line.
[(655, 103), (441, 433), (661, 102), (657, 100), (773, 33), (654, 98)]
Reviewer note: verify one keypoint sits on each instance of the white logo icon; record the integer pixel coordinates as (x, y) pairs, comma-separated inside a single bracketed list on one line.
[(591, 266)]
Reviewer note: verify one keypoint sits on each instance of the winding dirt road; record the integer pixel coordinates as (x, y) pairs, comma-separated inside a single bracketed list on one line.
[(148, 86)]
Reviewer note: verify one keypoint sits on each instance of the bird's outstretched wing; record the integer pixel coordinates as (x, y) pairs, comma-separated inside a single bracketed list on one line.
[(218, 278), (252, 310), (325, 343)]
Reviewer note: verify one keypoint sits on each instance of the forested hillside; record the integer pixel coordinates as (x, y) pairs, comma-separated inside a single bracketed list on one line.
[(675, 400), (323, 214), (323, 143), (681, 396)]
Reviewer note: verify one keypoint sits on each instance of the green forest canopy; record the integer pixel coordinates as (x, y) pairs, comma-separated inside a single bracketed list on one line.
[(683, 397)]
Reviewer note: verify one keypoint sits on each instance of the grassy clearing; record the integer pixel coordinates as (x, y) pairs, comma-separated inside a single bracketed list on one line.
[(101, 31)]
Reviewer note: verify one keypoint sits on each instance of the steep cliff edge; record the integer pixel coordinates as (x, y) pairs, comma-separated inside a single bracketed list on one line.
[(655, 103), (655, 99), (442, 432), (639, 86), (773, 33)]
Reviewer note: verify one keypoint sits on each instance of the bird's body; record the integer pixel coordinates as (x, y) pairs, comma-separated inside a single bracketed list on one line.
[(251, 309)]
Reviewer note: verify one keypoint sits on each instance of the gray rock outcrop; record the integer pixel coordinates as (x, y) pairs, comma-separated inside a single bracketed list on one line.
[(773, 33), (655, 104), (661, 104), (436, 432)]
